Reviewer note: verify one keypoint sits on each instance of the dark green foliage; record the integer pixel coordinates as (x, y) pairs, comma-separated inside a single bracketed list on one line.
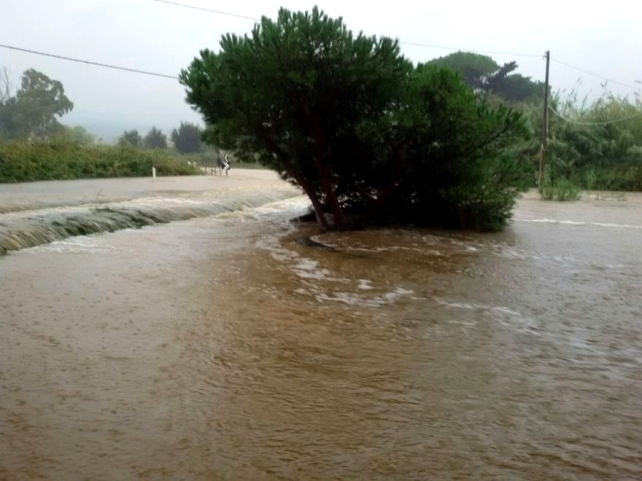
[(369, 137), (187, 138), (155, 139), (62, 158), (32, 112), (130, 137), (482, 74), (8, 122), (459, 170), (517, 88), (473, 67)]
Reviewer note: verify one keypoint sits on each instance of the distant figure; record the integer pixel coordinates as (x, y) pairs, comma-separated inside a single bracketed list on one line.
[(222, 164)]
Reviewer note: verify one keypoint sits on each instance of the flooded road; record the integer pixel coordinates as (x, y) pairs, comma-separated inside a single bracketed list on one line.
[(220, 348)]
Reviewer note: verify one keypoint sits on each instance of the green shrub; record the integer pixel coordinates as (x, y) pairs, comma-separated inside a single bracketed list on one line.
[(561, 189), (62, 159)]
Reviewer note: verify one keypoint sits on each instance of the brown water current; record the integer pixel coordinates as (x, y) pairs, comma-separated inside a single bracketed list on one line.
[(220, 348)]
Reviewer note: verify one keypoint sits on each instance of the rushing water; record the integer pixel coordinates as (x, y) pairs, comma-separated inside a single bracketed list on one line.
[(220, 348)]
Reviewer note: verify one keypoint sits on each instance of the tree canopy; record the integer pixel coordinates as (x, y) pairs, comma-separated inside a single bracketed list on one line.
[(368, 136), (473, 67), (130, 137), (483, 74), (155, 139), (187, 138), (33, 111)]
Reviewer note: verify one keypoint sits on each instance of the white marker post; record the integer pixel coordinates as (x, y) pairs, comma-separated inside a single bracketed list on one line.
[(153, 174)]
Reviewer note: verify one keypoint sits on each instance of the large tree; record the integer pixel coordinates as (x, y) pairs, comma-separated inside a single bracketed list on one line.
[(187, 138), (130, 137), (483, 74), (366, 135), (33, 112), (474, 68), (155, 139)]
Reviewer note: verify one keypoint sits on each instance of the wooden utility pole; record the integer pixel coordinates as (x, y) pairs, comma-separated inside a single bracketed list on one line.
[(544, 147)]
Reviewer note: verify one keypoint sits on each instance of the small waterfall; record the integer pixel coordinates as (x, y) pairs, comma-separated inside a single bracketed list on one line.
[(29, 228)]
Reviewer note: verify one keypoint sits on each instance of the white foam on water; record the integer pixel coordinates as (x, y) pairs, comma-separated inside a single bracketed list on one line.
[(580, 223), (31, 214), (309, 269), (272, 244), (282, 211), (364, 284), (457, 305), (77, 244), (481, 307), (398, 293), (321, 283), (356, 299), (348, 298)]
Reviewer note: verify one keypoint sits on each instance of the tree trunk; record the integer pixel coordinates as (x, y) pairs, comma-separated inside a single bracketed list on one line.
[(318, 209), (309, 191), (324, 172), (396, 171)]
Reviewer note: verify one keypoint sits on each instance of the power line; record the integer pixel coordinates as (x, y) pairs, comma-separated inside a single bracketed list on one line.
[(207, 10), (417, 44), (71, 59), (512, 54), (219, 12), (606, 122), (173, 77), (596, 75)]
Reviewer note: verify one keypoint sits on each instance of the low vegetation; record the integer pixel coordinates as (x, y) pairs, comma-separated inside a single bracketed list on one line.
[(60, 158), (593, 146)]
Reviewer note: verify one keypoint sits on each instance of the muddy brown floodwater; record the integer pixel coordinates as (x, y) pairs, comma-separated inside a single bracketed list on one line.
[(220, 348)]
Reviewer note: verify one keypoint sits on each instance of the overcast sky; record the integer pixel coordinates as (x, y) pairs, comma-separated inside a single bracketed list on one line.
[(589, 42)]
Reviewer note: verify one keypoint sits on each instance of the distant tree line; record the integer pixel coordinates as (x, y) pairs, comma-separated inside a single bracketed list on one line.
[(187, 139), (34, 145), (33, 113)]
